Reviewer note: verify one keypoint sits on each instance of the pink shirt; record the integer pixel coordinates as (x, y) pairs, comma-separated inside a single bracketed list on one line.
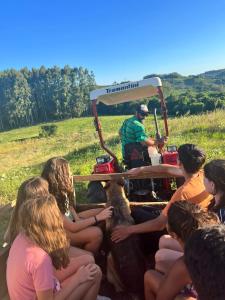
[(29, 269)]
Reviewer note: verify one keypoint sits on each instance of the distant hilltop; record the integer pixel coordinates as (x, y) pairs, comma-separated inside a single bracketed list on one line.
[(208, 81)]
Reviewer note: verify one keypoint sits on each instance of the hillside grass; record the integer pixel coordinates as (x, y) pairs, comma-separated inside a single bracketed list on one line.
[(23, 153)]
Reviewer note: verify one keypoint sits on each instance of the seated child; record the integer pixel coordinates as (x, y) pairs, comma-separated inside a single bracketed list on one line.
[(41, 244), (214, 182), (31, 189), (80, 227), (183, 219), (205, 260)]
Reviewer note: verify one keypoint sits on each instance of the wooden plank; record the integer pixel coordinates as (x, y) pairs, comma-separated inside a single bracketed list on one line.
[(114, 176), (85, 206)]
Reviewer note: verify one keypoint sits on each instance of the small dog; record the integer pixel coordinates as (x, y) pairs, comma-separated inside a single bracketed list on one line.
[(128, 259)]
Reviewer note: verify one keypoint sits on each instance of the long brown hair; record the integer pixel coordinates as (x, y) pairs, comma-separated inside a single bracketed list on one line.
[(215, 171), (29, 189), (40, 220), (57, 172), (185, 217)]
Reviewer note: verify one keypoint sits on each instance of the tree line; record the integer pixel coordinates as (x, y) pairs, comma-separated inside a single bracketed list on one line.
[(40, 95), (34, 96), (178, 104)]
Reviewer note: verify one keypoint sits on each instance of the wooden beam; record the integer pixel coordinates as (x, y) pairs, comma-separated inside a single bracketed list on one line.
[(85, 206), (114, 176)]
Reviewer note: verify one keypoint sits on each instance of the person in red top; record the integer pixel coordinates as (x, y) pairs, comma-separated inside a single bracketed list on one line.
[(191, 160)]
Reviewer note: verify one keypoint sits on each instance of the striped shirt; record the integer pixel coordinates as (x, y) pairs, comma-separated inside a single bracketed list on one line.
[(132, 131)]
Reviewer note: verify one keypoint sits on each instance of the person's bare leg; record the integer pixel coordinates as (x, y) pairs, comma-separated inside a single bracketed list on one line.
[(165, 258), (74, 264), (86, 291), (89, 238), (152, 280), (76, 252), (166, 241), (93, 291)]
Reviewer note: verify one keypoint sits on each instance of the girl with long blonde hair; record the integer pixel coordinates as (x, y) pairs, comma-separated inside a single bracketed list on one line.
[(80, 227), (41, 244), (31, 189)]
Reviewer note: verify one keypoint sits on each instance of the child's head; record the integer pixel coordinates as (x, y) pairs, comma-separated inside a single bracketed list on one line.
[(29, 189), (215, 179), (185, 217), (57, 172), (205, 259), (191, 158), (40, 220)]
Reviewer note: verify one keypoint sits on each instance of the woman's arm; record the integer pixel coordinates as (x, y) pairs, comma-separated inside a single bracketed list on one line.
[(159, 169), (176, 279), (90, 212), (84, 223)]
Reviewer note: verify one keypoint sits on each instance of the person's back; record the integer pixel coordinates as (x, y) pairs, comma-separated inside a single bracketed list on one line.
[(132, 131), (29, 269)]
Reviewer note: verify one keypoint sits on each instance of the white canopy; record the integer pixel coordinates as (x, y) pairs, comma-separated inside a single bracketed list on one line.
[(125, 92)]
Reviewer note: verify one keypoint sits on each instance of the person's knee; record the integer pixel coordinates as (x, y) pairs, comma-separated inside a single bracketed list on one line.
[(98, 275), (163, 241), (160, 255), (147, 277), (97, 235), (87, 259)]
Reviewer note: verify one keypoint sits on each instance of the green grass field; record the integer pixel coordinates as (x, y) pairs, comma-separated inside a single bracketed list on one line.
[(22, 153)]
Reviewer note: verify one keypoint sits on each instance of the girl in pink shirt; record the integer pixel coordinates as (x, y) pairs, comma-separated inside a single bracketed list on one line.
[(31, 189), (40, 245)]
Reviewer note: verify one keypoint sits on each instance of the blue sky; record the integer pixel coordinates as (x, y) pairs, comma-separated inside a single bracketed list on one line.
[(118, 40)]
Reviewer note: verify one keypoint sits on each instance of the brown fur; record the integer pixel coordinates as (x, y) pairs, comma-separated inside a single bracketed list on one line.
[(128, 260), (121, 206)]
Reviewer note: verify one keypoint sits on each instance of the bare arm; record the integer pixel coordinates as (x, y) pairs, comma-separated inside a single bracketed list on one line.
[(159, 169), (122, 232), (84, 223), (174, 281), (90, 212)]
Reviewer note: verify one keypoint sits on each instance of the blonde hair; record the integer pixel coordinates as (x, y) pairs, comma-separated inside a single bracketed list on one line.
[(57, 172), (29, 189), (40, 220)]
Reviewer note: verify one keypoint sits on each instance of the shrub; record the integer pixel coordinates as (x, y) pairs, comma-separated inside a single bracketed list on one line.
[(48, 130)]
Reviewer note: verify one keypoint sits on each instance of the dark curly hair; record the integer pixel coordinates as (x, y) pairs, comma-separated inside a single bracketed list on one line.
[(191, 157), (205, 259)]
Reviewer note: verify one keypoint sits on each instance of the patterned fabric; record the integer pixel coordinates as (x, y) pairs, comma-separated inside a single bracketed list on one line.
[(132, 131)]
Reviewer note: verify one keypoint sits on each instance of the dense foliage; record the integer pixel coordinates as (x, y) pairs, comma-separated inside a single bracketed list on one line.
[(41, 95), (46, 94)]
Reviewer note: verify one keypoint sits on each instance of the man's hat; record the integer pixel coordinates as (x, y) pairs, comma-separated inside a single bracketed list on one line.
[(142, 109)]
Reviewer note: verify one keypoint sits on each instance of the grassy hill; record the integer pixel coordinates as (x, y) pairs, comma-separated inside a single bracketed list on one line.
[(22, 153)]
